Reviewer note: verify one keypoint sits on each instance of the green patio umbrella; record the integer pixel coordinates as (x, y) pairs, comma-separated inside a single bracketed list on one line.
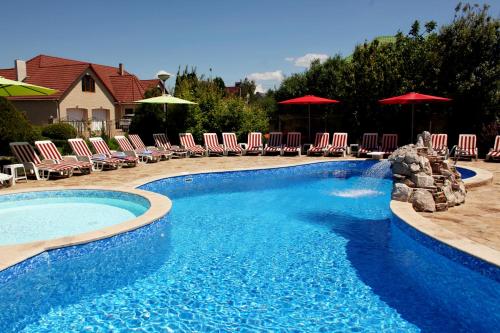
[(16, 88)]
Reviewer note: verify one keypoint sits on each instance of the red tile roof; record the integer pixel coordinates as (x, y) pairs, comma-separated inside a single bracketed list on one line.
[(60, 74)]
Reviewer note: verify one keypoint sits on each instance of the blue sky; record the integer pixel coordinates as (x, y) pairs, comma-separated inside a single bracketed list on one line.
[(263, 40)]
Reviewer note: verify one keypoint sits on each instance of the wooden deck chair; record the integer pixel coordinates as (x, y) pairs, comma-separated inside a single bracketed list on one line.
[(254, 143), (140, 147), (162, 142), (212, 144), (99, 161), (293, 144), (339, 145), (187, 142), (49, 152), (369, 144), (389, 143), (320, 144), (230, 144), (41, 170), (494, 153), (466, 147), (439, 143), (101, 147), (275, 143)]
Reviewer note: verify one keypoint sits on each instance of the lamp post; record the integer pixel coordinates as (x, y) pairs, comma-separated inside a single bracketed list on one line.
[(163, 76)]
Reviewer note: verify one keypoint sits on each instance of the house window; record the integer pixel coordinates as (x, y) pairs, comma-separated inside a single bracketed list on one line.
[(88, 84)]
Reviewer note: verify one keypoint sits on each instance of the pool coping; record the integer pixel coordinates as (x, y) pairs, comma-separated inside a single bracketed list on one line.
[(160, 205)]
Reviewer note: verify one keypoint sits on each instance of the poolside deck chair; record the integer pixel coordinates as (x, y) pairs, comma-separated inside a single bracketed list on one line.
[(42, 170), (6, 180), (101, 147), (339, 145), (293, 144), (187, 142), (139, 146), (369, 144), (254, 143), (439, 143), (100, 161), (466, 147), (212, 144), (320, 144), (494, 154), (162, 142), (275, 143), (49, 152), (230, 144), (128, 149), (389, 143)]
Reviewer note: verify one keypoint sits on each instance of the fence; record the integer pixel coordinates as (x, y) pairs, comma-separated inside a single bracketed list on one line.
[(91, 127)]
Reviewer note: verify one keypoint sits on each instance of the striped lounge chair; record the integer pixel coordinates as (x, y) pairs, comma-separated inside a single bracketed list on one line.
[(139, 146), (230, 144), (42, 170), (466, 147), (275, 144), (128, 149), (494, 154), (187, 142), (339, 145), (212, 144), (83, 153), (102, 148), (320, 144), (439, 143), (49, 152), (293, 144), (163, 143), (389, 143), (254, 145), (369, 144)]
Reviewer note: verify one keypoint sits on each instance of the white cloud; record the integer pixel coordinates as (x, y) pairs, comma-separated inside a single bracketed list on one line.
[(305, 60), (266, 76)]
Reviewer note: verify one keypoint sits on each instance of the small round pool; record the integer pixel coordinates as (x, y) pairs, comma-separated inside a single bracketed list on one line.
[(44, 215), (466, 173)]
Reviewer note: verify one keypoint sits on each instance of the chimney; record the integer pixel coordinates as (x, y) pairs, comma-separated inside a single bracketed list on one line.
[(21, 72), (120, 69)]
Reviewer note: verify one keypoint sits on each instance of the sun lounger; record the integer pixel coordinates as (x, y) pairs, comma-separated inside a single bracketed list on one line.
[(440, 144), (320, 144), (254, 145), (275, 143), (230, 144), (162, 142), (140, 147), (293, 144), (369, 144), (212, 144), (49, 152), (339, 145), (494, 154), (127, 148), (389, 143), (466, 147), (101, 147), (100, 161), (6, 180), (33, 165), (187, 142)]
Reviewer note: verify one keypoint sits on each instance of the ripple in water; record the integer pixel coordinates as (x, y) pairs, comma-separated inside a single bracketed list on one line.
[(356, 193)]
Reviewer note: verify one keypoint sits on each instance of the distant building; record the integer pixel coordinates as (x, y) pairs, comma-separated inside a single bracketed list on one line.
[(235, 90), (89, 95)]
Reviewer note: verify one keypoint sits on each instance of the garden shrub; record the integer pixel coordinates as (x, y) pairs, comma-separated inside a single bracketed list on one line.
[(13, 126), (59, 131)]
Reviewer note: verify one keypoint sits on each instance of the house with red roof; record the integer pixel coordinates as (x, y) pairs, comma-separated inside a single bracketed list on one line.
[(90, 96)]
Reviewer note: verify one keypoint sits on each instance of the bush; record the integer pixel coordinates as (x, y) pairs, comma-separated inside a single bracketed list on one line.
[(59, 131), (13, 126)]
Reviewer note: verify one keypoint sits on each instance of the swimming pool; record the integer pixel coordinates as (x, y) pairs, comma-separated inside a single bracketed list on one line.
[(308, 248), (32, 216)]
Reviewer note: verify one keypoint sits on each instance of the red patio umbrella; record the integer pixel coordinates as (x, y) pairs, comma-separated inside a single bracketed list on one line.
[(413, 98), (308, 100)]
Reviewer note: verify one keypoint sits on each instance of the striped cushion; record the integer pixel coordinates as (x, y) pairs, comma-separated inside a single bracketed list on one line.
[(231, 143), (467, 145)]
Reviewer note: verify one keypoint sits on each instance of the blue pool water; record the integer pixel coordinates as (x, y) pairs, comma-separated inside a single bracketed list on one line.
[(310, 248), (32, 216), (466, 173)]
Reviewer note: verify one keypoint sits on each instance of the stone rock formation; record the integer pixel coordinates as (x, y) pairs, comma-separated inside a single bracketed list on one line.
[(424, 178)]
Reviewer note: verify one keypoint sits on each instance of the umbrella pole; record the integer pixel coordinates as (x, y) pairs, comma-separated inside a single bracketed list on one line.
[(412, 119), (309, 113), (165, 111)]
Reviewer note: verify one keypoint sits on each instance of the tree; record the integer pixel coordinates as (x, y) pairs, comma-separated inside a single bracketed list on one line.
[(148, 118), (13, 127)]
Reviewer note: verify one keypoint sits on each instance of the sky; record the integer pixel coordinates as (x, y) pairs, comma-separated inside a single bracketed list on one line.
[(262, 40)]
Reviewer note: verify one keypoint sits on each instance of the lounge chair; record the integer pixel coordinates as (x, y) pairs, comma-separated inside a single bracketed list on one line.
[(369, 144), (49, 152), (293, 144), (494, 154), (212, 144), (466, 147), (102, 148), (339, 145), (100, 161), (187, 142), (6, 180), (320, 144), (230, 144), (254, 145), (440, 144), (128, 149), (42, 170), (162, 142), (139, 146), (389, 143), (275, 143)]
